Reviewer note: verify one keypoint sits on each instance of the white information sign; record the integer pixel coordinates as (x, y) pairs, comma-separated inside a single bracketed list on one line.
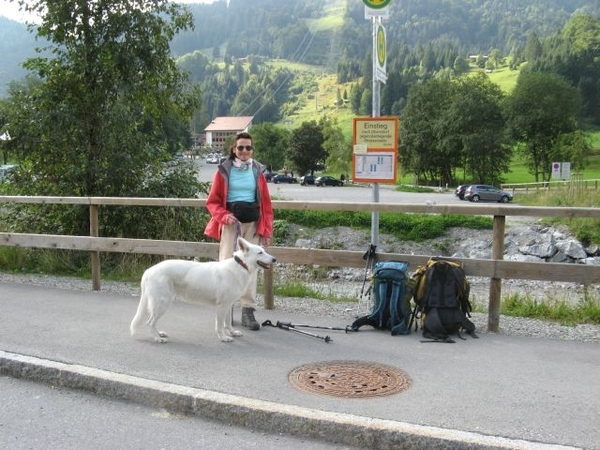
[(556, 171), (561, 170), (378, 166), (384, 13), (565, 170)]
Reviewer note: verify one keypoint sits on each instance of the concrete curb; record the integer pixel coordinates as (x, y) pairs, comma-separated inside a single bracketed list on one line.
[(348, 429)]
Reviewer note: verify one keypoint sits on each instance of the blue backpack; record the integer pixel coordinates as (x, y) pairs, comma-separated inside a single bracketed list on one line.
[(391, 306)]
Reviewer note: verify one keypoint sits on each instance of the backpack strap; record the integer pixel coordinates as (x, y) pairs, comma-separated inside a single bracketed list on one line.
[(383, 306), (362, 321), (399, 316), (463, 290), (376, 317)]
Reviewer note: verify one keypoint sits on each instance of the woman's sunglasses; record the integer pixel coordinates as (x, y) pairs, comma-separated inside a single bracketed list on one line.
[(247, 147)]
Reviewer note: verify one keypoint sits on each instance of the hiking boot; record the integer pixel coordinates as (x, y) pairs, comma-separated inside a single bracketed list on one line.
[(248, 320)]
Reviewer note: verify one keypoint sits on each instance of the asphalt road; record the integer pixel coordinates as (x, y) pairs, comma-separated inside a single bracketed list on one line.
[(350, 193), (37, 416)]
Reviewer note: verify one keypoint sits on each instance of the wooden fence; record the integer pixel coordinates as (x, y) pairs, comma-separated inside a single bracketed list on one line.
[(576, 183), (495, 268)]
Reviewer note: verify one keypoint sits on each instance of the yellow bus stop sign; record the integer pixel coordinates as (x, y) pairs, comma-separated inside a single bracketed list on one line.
[(381, 46), (376, 4)]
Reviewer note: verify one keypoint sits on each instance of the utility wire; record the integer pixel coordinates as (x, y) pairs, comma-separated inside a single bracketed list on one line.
[(286, 79)]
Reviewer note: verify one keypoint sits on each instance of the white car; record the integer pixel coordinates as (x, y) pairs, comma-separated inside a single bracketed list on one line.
[(213, 158)]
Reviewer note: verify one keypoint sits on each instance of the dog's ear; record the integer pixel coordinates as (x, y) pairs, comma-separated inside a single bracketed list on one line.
[(242, 243)]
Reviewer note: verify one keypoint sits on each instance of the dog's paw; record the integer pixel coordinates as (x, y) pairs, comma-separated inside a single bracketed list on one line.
[(163, 334), (161, 340), (224, 338), (235, 333)]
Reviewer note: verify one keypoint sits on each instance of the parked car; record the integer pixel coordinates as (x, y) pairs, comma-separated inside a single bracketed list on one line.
[(486, 192), (307, 179), (460, 191), (328, 181), (282, 178), (213, 158)]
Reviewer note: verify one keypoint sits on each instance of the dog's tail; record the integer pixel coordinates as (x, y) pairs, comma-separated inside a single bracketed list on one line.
[(141, 317)]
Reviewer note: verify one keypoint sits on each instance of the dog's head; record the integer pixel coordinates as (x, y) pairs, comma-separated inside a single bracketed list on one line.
[(254, 255)]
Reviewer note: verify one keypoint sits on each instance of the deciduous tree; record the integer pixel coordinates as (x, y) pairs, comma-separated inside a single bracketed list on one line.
[(305, 152), (110, 106), (271, 143), (541, 108)]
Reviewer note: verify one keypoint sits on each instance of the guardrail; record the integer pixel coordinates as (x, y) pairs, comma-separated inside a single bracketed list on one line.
[(573, 184), (495, 268)]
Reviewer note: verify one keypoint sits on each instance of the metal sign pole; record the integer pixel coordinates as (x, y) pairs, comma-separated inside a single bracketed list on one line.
[(376, 109)]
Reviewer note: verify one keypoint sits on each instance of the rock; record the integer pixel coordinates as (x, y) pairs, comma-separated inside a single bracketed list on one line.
[(303, 243), (572, 248), (527, 242), (547, 250), (593, 250)]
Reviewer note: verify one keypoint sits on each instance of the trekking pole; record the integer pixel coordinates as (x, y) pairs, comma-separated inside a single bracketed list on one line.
[(294, 325), (369, 256), (289, 328)]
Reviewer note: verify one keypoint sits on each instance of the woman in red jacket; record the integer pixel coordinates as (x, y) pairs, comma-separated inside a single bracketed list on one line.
[(239, 198)]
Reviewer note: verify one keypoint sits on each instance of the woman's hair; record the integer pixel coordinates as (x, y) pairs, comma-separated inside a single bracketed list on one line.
[(240, 135)]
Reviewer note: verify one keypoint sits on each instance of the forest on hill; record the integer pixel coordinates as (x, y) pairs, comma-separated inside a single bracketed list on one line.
[(424, 38), (321, 31), (116, 93)]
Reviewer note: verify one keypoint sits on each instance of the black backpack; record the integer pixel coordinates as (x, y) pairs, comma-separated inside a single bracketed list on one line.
[(441, 294), (391, 305)]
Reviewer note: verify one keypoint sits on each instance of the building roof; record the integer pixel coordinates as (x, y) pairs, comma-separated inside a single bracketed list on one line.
[(229, 123)]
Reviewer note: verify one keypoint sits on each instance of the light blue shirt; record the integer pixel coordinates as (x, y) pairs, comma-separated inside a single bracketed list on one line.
[(242, 186)]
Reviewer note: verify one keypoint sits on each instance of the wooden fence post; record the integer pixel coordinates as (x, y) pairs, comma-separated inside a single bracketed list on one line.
[(95, 256), (496, 283), (268, 289)]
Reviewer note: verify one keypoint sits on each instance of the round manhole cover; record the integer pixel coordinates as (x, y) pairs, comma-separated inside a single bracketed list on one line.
[(352, 379)]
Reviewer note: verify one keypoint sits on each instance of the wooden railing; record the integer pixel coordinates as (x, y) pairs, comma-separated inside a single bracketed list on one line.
[(570, 185), (495, 268)]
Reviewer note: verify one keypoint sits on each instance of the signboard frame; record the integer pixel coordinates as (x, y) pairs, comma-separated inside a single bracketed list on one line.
[(375, 141), (376, 127)]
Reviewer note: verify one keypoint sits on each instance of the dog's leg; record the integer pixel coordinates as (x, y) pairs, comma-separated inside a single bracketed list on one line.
[(159, 336), (228, 324), (223, 314), (144, 317), (158, 304)]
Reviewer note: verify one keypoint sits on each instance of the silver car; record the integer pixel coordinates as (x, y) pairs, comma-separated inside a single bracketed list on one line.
[(486, 192)]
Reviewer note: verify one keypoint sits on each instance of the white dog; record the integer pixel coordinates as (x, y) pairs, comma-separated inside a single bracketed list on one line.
[(217, 282)]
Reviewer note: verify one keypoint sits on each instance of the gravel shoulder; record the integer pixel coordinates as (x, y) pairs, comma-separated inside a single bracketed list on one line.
[(341, 311), (348, 283)]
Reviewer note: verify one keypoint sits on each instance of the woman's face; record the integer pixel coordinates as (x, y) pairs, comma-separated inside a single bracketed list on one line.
[(244, 149)]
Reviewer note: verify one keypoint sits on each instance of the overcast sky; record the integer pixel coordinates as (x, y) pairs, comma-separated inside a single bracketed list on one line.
[(11, 9)]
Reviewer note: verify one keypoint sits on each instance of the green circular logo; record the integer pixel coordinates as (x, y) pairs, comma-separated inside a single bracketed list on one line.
[(381, 46), (376, 4)]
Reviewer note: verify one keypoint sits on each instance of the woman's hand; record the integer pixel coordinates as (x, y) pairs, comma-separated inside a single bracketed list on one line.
[(264, 241), (230, 219)]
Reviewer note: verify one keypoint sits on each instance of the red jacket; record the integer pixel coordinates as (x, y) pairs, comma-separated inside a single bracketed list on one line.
[(217, 200)]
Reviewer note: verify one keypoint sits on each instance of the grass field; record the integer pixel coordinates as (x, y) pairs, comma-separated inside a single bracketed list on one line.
[(503, 77)]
